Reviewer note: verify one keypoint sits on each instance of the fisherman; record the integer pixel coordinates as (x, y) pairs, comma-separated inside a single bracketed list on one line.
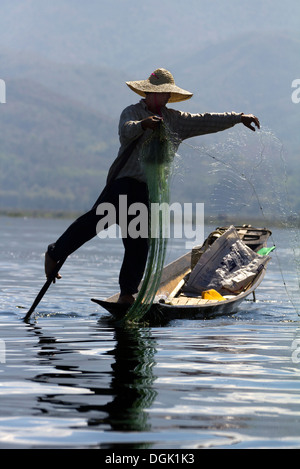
[(126, 175)]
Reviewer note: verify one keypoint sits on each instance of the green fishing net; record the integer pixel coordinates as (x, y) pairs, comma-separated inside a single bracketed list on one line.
[(157, 157)]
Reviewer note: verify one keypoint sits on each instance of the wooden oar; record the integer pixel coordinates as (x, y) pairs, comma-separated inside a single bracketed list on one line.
[(44, 289)]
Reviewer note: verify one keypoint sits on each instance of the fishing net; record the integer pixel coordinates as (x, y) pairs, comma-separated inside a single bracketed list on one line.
[(243, 178), (157, 156)]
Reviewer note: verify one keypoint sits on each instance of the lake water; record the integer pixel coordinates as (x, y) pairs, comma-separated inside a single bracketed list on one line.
[(70, 379)]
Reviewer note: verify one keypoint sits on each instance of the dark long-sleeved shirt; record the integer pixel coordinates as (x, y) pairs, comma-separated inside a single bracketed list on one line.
[(181, 125)]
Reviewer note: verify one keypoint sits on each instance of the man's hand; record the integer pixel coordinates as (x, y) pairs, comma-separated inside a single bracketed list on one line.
[(50, 265), (248, 119), (151, 122)]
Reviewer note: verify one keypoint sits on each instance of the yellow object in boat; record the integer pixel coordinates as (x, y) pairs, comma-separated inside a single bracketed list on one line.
[(212, 295)]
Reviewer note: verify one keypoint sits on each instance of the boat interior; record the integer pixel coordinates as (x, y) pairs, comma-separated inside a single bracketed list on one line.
[(173, 290)]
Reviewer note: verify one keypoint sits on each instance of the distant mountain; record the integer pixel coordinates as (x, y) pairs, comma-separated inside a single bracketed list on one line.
[(133, 36), (250, 73), (54, 153), (99, 88), (65, 64)]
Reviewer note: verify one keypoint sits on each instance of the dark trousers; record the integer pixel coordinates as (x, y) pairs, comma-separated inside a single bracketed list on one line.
[(84, 229)]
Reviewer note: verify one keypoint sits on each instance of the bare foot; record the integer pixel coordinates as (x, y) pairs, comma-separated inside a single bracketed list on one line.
[(126, 299), (50, 265)]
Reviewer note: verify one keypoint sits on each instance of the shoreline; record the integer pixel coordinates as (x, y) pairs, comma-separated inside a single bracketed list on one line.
[(221, 220), (33, 213)]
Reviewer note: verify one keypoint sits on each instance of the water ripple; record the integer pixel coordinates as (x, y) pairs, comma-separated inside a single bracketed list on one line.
[(70, 379)]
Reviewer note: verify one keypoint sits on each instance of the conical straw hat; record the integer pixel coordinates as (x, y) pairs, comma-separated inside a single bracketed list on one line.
[(160, 81)]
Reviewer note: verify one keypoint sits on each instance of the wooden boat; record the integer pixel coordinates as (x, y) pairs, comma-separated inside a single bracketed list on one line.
[(182, 305)]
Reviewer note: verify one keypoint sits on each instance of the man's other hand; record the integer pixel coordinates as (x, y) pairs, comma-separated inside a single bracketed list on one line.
[(248, 119)]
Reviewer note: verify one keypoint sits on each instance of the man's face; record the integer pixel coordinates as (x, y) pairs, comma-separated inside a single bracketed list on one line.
[(157, 100), (161, 99)]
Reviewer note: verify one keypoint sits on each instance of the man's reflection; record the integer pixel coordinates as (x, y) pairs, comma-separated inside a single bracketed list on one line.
[(132, 380), (130, 389)]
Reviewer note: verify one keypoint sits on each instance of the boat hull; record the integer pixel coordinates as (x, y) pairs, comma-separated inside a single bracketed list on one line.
[(162, 312)]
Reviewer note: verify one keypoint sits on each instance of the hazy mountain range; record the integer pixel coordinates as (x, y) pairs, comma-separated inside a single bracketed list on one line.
[(65, 64)]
